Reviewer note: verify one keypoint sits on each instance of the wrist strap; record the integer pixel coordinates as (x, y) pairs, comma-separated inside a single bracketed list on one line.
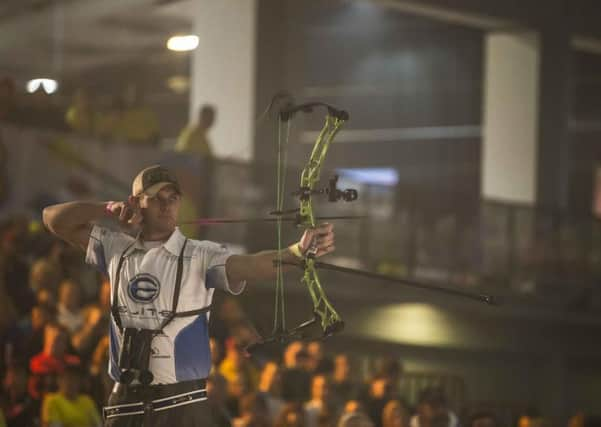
[(296, 251)]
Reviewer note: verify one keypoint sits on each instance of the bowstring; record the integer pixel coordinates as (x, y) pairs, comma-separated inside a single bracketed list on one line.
[(279, 322)]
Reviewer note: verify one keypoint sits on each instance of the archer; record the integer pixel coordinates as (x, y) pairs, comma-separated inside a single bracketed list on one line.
[(162, 288)]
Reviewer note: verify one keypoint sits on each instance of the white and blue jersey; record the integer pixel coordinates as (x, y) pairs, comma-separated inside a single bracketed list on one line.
[(145, 297)]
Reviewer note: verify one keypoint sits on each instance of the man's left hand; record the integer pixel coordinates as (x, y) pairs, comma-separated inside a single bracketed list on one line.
[(318, 240)]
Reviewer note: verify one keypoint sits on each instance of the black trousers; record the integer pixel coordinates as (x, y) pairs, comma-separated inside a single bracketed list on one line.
[(182, 404)]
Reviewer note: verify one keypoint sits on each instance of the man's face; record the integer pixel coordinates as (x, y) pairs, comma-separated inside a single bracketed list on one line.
[(161, 211)]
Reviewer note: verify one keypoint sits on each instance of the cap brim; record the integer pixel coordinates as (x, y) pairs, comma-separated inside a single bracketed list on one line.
[(154, 189)]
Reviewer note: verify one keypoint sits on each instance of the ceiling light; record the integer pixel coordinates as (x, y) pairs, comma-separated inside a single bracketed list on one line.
[(48, 85), (182, 43)]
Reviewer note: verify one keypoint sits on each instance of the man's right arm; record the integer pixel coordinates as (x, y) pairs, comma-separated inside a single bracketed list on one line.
[(72, 221)]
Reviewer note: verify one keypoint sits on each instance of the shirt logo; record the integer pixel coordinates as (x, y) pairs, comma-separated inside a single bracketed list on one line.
[(144, 288)]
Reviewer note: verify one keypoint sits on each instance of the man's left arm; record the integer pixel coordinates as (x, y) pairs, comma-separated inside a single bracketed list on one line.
[(260, 266)]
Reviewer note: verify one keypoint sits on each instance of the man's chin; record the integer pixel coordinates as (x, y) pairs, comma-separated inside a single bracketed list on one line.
[(164, 226)]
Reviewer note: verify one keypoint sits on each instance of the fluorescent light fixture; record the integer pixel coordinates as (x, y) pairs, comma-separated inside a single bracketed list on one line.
[(374, 176), (182, 43), (48, 85)]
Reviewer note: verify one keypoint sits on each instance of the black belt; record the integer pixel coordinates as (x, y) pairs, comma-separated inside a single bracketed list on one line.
[(143, 400)]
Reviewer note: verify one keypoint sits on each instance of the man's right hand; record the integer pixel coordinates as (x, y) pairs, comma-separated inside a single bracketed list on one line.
[(128, 213)]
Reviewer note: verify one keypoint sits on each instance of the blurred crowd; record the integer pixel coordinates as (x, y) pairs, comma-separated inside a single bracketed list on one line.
[(123, 118), (54, 314)]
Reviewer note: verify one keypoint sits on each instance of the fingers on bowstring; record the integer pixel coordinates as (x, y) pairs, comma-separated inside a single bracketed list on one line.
[(325, 240), (326, 250)]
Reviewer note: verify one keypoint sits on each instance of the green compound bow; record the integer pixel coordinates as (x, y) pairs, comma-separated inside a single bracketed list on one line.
[(324, 314)]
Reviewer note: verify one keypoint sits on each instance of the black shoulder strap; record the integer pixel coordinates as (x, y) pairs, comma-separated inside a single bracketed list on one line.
[(178, 278), (178, 286), (193, 312), (115, 300)]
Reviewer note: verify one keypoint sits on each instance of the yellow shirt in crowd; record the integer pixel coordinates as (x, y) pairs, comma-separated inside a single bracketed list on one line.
[(80, 412), (138, 124), (193, 139)]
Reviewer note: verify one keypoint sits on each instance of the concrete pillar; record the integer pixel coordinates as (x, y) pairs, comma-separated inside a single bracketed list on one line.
[(223, 73), (511, 109)]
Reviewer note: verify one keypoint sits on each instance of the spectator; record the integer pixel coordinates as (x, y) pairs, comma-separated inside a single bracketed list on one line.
[(296, 381), (107, 119), (432, 410), (20, 410), (77, 270), (392, 369), (482, 419), (318, 362), (45, 274), (96, 323), (319, 407), (270, 384), (292, 415), (80, 115), (236, 368), (193, 138), (529, 418), (343, 388), (7, 328), (70, 313), (15, 267), (229, 315), (28, 338), (379, 394), (102, 383), (395, 414), (52, 361), (46, 297), (216, 354), (253, 412), (217, 395), (138, 124), (235, 391), (353, 406), (355, 419), (69, 407)]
